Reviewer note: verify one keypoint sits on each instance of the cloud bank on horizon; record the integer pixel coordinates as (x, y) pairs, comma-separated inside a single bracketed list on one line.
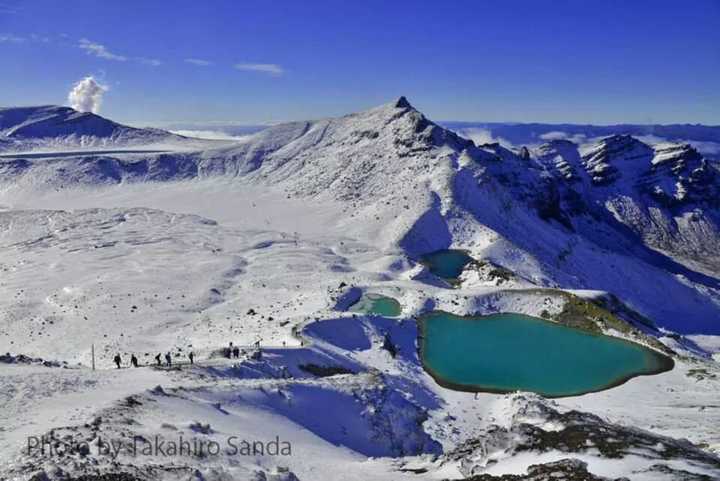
[(87, 95)]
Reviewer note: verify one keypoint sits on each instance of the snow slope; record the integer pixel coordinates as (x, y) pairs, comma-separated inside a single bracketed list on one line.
[(56, 127), (257, 240)]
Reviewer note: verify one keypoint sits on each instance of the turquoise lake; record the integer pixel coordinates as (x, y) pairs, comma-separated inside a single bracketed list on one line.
[(511, 352), (447, 264), (378, 305)]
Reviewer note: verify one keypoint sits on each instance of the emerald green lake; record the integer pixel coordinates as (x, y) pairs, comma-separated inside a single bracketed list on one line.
[(377, 305), (447, 264), (511, 352)]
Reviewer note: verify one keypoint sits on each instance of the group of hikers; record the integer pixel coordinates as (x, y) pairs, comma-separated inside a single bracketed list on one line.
[(168, 359), (232, 351)]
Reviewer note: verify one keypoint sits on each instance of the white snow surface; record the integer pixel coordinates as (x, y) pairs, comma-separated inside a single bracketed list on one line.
[(250, 242)]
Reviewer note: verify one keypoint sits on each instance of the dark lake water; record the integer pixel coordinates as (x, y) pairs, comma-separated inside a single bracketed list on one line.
[(447, 264)]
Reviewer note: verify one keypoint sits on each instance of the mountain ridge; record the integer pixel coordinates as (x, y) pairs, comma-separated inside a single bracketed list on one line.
[(437, 190), (25, 128)]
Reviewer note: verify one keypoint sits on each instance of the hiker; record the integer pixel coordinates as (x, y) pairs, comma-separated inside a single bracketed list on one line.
[(229, 350), (157, 358), (117, 360), (168, 359), (134, 361), (236, 352), (192, 357)]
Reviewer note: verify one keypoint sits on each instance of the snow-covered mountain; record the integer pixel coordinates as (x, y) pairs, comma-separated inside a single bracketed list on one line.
[(52, 126), (266, 238), (608, 218), (706, 138)]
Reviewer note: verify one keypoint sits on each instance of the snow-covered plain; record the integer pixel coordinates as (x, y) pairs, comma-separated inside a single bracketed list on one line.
[(259, 240)]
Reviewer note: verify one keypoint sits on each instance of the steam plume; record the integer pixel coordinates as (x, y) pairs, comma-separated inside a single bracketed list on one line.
[(86, 95)]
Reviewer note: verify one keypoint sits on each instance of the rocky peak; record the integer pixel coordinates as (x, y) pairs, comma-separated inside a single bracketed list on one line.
[(561, 158), (679, 173), (616, 156), (402, 103), (676, 157), (524, 153), (411, 129)]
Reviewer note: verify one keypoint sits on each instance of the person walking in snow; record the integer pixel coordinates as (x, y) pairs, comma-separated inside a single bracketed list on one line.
[(134, 361), (236, 352), (117, 360), (157, 358), (168, 359), (192, 357)]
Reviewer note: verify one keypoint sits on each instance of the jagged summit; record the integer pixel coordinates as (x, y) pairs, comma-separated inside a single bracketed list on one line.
[(561, 158), (616, 156), (680, 174), (402, 103)]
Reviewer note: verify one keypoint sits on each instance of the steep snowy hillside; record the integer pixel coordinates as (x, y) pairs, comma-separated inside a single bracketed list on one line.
[(668, 196), (51, 126)]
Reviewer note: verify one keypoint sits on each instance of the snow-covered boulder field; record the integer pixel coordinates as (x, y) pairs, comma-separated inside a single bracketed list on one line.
[(268, 242)]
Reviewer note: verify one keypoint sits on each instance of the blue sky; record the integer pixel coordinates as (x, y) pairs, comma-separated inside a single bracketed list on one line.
[(259, 61)]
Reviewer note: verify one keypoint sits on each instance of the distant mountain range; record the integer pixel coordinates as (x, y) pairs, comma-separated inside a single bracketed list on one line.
[(706, 139)]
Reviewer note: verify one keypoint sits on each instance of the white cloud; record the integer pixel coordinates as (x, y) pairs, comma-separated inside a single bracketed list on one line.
[(10, 38), (555, 135), (86, 95), (651, 139), (208, 134), (33, 37), (153, 62), (706, 148), (98, 50), (7, 8), (268, 68), (198, 61), (559, 135), (483, 136), (39, 38), (101, 51)]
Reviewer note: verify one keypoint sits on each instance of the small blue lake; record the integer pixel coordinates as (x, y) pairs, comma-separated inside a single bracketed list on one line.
[(378, 305), (511, 352), (447, 264)]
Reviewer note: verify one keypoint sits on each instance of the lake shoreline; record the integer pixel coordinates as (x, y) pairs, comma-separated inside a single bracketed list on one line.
[(663, 363)]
